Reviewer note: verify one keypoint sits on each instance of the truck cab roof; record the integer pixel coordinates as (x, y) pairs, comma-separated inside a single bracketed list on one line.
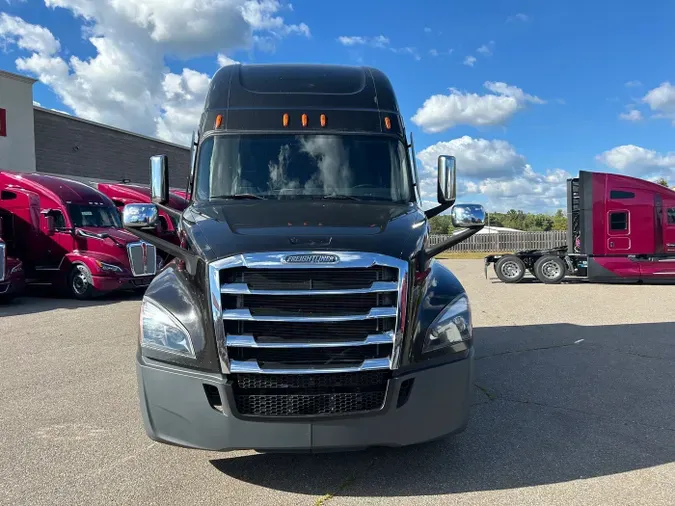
[(57, 188), (351, 98)]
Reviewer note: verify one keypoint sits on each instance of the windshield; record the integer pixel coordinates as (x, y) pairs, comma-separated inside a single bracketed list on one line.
[(94, 216), (362, 167)]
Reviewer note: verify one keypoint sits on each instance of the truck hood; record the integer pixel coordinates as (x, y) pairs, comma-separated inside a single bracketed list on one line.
[(216, 231), (122, 236)]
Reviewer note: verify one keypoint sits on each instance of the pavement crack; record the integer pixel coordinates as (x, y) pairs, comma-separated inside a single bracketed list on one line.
[(345, 483), (487, 393), (514, 352)]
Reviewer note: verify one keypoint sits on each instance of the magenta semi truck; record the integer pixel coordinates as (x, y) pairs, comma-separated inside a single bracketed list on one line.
[(12, 279), (619, 229), (69, 236), (128, 193)]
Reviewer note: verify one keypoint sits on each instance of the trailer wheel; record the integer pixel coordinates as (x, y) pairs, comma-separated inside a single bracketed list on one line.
[(510, 269), (550, 269), (80, 284)]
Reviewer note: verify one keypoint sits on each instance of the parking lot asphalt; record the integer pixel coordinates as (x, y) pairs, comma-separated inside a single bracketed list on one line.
[(574, 405)]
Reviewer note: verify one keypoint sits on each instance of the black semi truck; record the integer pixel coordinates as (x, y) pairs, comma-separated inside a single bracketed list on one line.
[(304, 309)]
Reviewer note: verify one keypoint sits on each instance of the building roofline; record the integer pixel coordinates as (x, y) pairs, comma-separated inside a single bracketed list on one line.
[(17, 77), (109, 127)]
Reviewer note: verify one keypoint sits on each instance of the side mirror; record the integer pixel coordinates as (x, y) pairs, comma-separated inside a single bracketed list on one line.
[(468, 215), (159, 179), (140, 216), (447, 179), (49, 224)]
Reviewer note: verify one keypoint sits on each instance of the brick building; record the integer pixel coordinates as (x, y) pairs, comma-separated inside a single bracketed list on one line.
[(33, 139)]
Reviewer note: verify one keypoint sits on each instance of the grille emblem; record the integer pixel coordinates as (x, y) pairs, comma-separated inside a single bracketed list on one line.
[(312, 259)]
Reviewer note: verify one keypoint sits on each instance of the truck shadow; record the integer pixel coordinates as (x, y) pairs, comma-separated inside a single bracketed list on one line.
[(553, 403), (37, 301)]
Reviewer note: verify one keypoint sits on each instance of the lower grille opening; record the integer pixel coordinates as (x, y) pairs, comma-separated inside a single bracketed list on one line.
[(279, 395), (404, 392), (213, 396)]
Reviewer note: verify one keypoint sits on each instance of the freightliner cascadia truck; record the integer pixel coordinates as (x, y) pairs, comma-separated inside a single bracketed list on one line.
[(304, 310), (619, 229)]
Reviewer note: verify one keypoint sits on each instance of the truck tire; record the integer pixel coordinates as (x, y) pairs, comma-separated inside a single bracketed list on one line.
[(550, 269), (80, 284), (510, 269)]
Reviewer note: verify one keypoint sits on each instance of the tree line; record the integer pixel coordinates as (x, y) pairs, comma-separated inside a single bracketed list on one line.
[(520, 220)]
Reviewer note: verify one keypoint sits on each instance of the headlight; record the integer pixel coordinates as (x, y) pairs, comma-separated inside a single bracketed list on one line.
[(108, 267), (162, 331), (451, 326)]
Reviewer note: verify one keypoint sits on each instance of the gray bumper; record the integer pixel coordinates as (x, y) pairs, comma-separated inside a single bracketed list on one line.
[(175, 410)]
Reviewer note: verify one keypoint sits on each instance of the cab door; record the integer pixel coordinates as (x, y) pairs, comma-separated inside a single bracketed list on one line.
[(55, 245), (662, 264), (668, 226)]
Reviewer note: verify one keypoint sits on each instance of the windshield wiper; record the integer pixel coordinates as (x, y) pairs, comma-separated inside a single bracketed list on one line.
[(241, 196), (340, 197)]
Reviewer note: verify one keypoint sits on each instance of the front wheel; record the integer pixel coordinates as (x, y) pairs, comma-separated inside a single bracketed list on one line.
[(80, 282), (510, 269), (550, 269)]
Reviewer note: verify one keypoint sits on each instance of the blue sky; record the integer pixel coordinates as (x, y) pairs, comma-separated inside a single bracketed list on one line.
[(559, 72)]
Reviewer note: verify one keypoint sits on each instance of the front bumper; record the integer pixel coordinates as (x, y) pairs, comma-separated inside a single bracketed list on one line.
[(112, 283), (13, 286), (176, 410)]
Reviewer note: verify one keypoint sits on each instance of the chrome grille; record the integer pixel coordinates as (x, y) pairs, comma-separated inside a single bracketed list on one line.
[(142, 258), (292, 319), (2, 262)]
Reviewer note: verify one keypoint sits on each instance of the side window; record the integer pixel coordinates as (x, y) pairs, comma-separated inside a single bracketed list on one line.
[(619, 194), (618, 220), (59, 220), (670, 212)]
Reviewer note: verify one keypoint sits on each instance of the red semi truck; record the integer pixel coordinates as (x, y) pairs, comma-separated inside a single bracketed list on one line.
[(11, 273), (619, 229), (70, 236), (126, 193)]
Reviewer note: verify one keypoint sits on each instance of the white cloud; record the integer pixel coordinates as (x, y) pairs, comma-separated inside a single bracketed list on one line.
[(14, 30), (661, 100), (632, 115), (440, 112), (379, 41), (433, 52), (36, 103), (638, 161), (407, 50), (126, 83), (224, 61), (493, 171), (182, 104), (486, 49), (476, 158), (633, 84), (469, 60), (518, 17)]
